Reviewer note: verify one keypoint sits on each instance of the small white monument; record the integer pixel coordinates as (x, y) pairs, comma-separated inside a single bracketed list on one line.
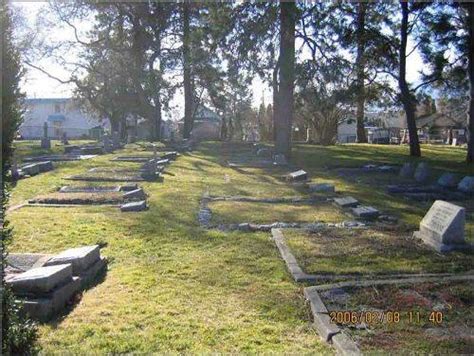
[(443, 227)]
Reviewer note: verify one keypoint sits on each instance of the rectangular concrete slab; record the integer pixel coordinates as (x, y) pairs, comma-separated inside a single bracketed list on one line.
[(365, 212), (346, 202), (297, 176), (41, 280), (134, 206), (43, 309), (81, 258)]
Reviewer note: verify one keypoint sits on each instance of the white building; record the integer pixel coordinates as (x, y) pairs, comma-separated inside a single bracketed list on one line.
[(61, 115)]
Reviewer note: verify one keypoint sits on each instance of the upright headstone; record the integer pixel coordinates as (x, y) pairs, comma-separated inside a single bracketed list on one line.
[(466, 185), (407, 170), (422, 172), (155, 153), (279, 159), (107, 144), (448, 180), (64, 139), (45, 141), (443, 227)]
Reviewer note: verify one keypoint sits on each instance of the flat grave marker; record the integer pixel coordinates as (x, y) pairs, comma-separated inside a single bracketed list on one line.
[(346, 202)]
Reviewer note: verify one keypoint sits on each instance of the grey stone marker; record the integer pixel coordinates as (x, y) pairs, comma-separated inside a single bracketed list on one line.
[(45, 166), (365, 212), (280, 160), (422, 172), (137, 194), (297, 176), (346, 202), (443, 227), (128, 187), (30, 169), (155, 153), (134, 206), (81, 258), (466, 185), (41, 280), (448, 180), (407, 170), (321, 187), (170, 155), (45, 141)]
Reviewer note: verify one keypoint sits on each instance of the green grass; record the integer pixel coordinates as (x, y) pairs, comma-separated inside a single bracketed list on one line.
[(224, 212), (368, 251), (29, 148), (173, 286)]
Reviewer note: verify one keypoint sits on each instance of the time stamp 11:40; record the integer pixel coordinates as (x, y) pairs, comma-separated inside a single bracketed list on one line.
[(388, 317)]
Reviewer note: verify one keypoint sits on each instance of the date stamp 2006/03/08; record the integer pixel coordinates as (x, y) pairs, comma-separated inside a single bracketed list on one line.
[(387, 317)]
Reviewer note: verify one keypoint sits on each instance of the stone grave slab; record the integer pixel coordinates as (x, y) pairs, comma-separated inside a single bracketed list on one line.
[(81, 258), (407, 170), (41, 279), (134, 206), (45, 307), (365, 212), (169, 155), (30, 169), (92, 178), (26, 261), (137, 194), (466, 185), (45, 166), (422, 172), (448, 180), (297, 176), (321, 188), (90, 189), (346, 202), (280, 160), (128, 187), (132, 158), (443, 227)]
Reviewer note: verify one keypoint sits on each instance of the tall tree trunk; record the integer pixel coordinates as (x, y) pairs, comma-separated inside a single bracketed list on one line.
[(470, 142), (284, 110), (360, 69), (275, 100), (188, 89), (407, 98)]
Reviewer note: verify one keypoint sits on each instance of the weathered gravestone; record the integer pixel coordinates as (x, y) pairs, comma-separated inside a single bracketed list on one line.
[(279, 159), (134, 206), (448, 180), (297, 176), (45, 166), (321, 188), (407, 170), (137, 194), (346, 202), (365, 212), (45, 141), (443, 227), (40, 280), (107, 144), (466, 185), (422, 172), (80, 258), (30, 169)]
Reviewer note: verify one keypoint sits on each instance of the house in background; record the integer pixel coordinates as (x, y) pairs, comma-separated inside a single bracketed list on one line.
[(207, 125), (62, 115)]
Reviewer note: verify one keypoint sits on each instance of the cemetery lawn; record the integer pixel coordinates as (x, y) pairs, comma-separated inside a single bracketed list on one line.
[(173, 286), (29, 148), (369, 251)]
